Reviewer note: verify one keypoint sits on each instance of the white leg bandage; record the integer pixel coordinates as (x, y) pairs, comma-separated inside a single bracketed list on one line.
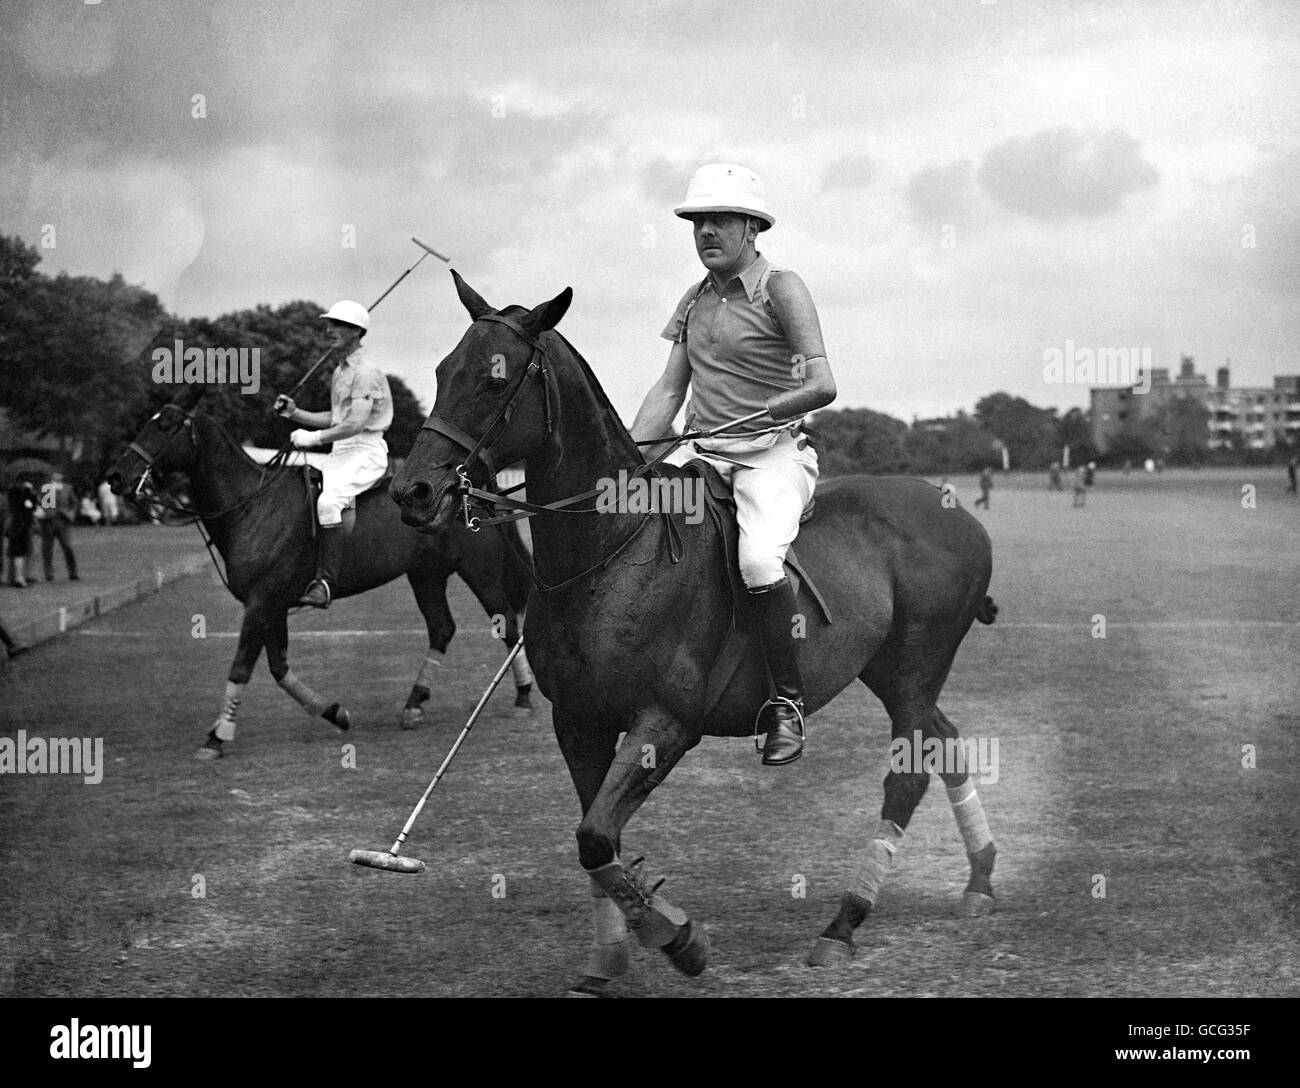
[(971, 821), (519, 669), (225, 723), (876, 860), (608, 957), (428, 670), (305, 697)]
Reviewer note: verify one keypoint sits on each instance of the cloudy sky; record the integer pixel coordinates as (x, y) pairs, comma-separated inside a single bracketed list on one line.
[(964, 185)]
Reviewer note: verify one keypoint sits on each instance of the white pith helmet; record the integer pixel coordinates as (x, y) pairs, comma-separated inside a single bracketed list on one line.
[(726, 187), (350, 313)]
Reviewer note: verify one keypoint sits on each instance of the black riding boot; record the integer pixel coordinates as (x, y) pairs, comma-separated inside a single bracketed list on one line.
[(782, 716), (321, 592)]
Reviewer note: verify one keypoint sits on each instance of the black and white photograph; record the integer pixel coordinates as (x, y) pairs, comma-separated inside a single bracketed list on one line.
[(625, 499)]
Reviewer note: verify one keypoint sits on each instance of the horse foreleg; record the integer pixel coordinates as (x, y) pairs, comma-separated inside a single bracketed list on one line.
[(978, 898), (277, 659), (652, 747), (252, 636), (588, 755)]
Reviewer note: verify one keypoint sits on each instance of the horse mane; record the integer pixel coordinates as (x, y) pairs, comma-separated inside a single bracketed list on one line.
[(592, 381), (227, 437)]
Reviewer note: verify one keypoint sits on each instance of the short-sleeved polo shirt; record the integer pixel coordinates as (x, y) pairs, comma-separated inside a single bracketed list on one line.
[(357, 377), (739, 356)]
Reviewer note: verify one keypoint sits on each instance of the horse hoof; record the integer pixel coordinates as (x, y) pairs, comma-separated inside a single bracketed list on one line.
[(337, 716), (689, 950), (412, 718), (211, 750), (521, 711), (827, 952), (977, 904), (588, 987)]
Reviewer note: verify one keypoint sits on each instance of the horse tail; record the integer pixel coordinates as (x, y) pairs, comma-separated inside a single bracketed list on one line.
[(988, 611)]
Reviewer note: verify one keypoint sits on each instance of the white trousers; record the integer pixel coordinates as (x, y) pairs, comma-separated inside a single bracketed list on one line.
[(355, 464), (772, 479)]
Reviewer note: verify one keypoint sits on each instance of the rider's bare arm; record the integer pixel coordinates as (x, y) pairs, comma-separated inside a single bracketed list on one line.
[(664, 400), (353, 422), (798, 317)]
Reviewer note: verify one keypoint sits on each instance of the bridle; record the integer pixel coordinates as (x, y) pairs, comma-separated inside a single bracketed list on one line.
[(480, 448), (144, 488)]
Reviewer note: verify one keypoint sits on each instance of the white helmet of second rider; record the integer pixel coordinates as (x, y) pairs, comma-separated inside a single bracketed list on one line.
[(726, 187), (350, 313)]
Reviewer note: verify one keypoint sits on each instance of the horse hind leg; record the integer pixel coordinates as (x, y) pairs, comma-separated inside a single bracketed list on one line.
[(978, 898), (903, 792)]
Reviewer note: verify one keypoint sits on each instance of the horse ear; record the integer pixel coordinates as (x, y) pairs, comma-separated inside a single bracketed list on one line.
[(548, 314), (470, 299)]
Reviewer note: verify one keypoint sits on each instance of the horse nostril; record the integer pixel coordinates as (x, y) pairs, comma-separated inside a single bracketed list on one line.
[(420, 493)]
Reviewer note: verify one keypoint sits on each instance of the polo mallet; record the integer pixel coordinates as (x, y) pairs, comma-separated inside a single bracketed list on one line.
[(388, 859), (427, 250)]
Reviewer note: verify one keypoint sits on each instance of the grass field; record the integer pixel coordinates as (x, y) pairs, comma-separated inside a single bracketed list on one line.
[(1121, 758)]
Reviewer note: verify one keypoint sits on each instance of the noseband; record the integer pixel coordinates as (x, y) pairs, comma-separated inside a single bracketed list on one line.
[(480, 448)]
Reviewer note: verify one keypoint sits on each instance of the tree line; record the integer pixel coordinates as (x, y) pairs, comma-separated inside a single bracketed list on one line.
[(77, 361)]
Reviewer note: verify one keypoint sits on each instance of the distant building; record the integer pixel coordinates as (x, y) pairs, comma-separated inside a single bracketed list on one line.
[(1256, 418)]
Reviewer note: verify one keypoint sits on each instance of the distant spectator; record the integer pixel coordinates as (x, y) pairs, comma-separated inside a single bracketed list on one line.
[(22, 515), (986, 485), (89, 512), (1090, 474), (107, 503), (55, 513), (1079, 488), (1054, 476), (1128, 466), (1149, 465), (1290, 473)]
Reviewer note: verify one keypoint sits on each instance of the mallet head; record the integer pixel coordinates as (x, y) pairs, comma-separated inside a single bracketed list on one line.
[(382, 859), (430, 249)]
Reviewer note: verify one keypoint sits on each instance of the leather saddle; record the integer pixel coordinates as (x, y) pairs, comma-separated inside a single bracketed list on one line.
[(313, 480), (720, 506)]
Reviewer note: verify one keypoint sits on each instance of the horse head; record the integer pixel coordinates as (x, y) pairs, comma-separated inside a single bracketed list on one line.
[(167, 443), (495, 405)]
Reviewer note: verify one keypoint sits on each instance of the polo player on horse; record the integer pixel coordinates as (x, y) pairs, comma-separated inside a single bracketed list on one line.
[(747, 339), (361, 410)]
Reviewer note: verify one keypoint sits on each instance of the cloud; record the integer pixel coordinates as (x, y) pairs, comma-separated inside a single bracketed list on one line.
[(1064, 172), (664, 182), (943, 194), (851, 172)]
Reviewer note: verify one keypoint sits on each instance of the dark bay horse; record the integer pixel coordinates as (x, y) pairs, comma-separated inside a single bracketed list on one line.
[(631, 613), (260, 520)]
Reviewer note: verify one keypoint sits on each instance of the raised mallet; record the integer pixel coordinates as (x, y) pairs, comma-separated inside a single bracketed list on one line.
[(389, 859), (428, 250)]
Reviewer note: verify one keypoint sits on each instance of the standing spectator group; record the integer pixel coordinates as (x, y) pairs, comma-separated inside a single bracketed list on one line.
[(51, 507)]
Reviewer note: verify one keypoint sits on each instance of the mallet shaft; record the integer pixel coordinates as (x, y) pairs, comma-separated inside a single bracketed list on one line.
[(459, 741)]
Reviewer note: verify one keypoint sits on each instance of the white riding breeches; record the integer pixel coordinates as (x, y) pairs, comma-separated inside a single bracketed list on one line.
[(355, 464), (772, 478)]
